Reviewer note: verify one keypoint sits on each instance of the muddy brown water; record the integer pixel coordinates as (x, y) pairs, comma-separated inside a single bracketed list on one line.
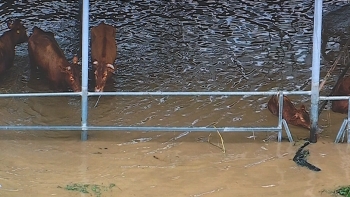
[(172, 46), (166, 164)]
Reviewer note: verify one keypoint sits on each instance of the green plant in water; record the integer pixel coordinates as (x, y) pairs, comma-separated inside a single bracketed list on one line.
[(85, 188), (111, 185), (343, 191), (78, 187), (96, 189)]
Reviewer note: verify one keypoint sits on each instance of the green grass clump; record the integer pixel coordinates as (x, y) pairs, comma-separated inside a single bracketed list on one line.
[(343, 191), (95, 190)]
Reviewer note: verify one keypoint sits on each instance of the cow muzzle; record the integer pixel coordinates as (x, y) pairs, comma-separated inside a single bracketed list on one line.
[(97, 89)]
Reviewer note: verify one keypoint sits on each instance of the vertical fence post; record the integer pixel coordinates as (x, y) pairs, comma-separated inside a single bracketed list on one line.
[(316, 54), (347, 124), (280, 117), (85, 63)]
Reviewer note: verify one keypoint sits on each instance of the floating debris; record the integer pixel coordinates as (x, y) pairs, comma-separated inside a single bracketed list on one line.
[(300, 158)]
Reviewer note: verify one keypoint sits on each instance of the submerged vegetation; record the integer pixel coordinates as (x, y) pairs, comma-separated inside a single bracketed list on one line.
[(95, 190), (340, 191), (343, 191)]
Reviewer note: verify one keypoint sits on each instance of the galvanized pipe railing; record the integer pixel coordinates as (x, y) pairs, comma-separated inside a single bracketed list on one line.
[(346, 122), (34, 94), (315, 79), (266, 93), (269, 93), (85, 127), (85, 66), (138, 128), (280, 113)]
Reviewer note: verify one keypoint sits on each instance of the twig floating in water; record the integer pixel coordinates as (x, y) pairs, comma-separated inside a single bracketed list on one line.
[(97, 101), (222, 142)]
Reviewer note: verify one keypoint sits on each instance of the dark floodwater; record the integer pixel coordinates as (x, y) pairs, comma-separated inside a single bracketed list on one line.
[(176, 46)]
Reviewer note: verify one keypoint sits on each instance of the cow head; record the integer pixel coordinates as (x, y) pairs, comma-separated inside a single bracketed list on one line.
[(301, 118), (102, 73), (20, 33), (72, 74)]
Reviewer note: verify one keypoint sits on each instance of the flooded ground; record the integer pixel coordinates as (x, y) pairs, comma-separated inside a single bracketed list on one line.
[(158, 164), (171, 46)]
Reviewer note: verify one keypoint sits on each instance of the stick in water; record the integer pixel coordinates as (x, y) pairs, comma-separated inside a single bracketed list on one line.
[(97, 101)]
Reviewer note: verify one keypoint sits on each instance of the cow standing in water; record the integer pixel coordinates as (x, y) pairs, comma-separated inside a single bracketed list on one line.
[(342, 89), (298, 117), (8, 41), (45, 53), (103, 54)]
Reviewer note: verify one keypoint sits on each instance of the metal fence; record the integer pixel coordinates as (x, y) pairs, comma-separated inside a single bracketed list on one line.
[(278, 128), (344, 128), (84, 94)]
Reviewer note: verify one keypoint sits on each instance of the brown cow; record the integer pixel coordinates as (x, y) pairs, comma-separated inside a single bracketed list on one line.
[(298, 117), (103, 53), (16, 35), (342, 89), (45, 53)]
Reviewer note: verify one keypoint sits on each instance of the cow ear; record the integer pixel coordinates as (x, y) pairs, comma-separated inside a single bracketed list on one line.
[(110, 66), (95, 63), (75, 60), (10, 24), (295, 116)]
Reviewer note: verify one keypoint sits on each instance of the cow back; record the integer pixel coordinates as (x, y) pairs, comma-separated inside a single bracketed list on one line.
[(46, 54), (342, 89), (103, 44)]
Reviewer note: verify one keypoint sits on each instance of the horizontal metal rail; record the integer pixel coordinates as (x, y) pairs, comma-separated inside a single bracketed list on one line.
[(41, 127), (41, 94), (332, 98), (156, 94), (195, 93), (146, 128)]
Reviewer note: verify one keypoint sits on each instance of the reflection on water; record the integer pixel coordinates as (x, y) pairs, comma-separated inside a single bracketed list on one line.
[(179, 46)]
